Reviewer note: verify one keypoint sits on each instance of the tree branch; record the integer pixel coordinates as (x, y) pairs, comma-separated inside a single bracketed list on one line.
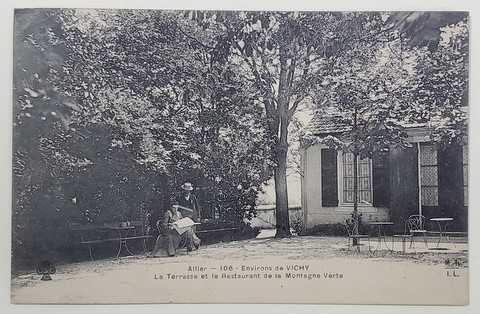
[(376, 34), (304, 79), (192, 38), (291, 72), (270, 109), (293, 108), (264, 65)]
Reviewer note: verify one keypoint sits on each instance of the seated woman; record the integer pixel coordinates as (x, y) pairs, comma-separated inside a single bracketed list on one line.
[(170, 238)]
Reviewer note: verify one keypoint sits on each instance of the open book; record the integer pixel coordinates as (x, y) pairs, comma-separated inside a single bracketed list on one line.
[(183, 224)]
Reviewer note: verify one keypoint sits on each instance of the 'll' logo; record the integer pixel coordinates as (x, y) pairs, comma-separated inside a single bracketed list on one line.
[(453, 263), (46, 269)]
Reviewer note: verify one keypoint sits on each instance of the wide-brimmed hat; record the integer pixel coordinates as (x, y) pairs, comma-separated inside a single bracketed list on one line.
[(187, 186)]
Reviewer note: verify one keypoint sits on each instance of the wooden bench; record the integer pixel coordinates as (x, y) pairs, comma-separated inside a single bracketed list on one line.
[(121, 232), (226, 233)]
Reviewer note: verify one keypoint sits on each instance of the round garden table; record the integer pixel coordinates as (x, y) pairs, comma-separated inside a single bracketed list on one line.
[(442, 226), (381, 225)]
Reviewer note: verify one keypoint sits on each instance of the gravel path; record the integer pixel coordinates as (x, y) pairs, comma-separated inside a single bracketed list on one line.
[(136, 279)]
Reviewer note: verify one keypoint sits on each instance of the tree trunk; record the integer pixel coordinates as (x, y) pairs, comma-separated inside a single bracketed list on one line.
[(281, 196), (355, 195), (355, 178), (281, 148)]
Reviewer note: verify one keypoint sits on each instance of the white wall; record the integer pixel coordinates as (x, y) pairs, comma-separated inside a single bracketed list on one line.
[(293, 188), (266, 216)]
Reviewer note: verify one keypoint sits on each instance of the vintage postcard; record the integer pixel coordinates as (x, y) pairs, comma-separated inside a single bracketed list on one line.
[(188, 156)]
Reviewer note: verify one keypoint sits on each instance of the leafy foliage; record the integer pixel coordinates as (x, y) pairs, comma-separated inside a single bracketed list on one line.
[(116, 112), (442, 100), (423, 29), (371, 89)]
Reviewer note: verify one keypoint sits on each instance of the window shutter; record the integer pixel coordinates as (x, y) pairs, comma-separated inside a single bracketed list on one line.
[(329, 178), (381, 179)]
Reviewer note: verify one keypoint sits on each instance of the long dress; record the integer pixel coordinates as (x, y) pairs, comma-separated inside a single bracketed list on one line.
[(169, 239)]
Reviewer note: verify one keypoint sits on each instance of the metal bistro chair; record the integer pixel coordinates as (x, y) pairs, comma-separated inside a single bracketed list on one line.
[(352, 230), (414, 225)]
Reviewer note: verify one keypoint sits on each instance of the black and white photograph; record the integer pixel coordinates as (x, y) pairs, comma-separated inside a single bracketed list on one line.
[(240, 156)]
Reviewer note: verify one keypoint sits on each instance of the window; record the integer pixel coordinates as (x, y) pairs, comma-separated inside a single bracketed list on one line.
[(364, 175), (337, 179), (429, 174)]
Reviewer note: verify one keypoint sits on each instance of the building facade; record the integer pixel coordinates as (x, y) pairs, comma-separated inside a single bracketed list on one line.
[(426, 178)]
